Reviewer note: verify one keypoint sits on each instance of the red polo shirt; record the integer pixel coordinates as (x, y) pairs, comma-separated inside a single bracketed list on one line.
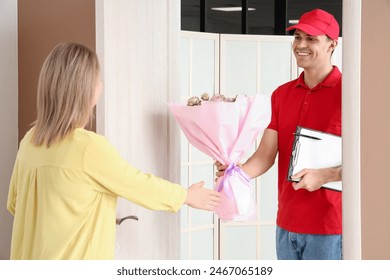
[(319, 108)]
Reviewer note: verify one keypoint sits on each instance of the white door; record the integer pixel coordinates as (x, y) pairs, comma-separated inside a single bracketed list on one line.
[(138, 43)]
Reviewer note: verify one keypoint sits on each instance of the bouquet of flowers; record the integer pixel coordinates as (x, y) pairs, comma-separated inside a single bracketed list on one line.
[(225, 128)]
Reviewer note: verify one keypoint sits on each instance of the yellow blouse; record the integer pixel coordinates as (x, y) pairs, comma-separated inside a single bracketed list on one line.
[(63, 198)]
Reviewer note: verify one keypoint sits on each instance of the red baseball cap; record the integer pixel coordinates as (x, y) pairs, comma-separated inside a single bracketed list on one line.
[(318, 22)]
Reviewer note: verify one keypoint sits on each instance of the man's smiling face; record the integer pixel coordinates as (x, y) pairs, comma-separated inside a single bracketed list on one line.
[(312, 51)]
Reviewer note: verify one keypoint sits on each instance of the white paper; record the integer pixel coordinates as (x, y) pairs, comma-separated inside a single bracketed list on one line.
[(313, 153)]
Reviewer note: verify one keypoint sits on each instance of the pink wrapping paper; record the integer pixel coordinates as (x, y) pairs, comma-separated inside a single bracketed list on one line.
[(225, 131)]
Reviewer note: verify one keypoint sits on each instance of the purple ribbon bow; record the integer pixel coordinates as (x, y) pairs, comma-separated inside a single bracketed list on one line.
[(230, 170)]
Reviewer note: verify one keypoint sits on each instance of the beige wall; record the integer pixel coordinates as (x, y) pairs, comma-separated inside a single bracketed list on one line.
[(375, 129), (8, 114), (28, 31), (41, 25)]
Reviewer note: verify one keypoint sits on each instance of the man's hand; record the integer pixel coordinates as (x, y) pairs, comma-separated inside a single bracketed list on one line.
[(310, 180), (221, 169), (313, 179)]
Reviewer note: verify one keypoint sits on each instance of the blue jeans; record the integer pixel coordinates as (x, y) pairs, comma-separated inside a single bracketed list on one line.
[(296, 246)]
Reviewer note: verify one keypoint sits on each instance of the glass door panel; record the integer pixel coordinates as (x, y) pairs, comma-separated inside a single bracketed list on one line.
[(254, 65), (199, 71), (231, 64)]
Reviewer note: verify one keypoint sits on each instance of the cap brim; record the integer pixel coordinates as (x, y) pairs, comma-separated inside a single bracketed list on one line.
[(306, 28)]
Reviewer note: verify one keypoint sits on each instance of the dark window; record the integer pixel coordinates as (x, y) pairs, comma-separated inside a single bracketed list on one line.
[(266, 17)]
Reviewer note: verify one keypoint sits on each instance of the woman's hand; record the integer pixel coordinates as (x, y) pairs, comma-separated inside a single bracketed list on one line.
[(201, 198)]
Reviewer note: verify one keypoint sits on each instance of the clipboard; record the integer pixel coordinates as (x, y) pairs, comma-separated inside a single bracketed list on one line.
[(315, 149)]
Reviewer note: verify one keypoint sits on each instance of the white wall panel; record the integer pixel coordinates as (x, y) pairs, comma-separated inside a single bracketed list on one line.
[(8, 113)]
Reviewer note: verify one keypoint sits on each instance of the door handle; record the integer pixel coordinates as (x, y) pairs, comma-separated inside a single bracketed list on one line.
[(131, 217)]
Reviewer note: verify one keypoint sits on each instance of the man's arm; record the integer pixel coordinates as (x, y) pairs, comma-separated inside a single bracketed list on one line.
[(265, 155), (261, 160)]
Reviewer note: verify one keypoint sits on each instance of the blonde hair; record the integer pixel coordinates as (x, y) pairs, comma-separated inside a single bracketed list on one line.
[(66, 90)]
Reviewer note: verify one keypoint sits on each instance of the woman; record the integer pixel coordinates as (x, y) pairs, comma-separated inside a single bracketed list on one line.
[(66, 179)]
